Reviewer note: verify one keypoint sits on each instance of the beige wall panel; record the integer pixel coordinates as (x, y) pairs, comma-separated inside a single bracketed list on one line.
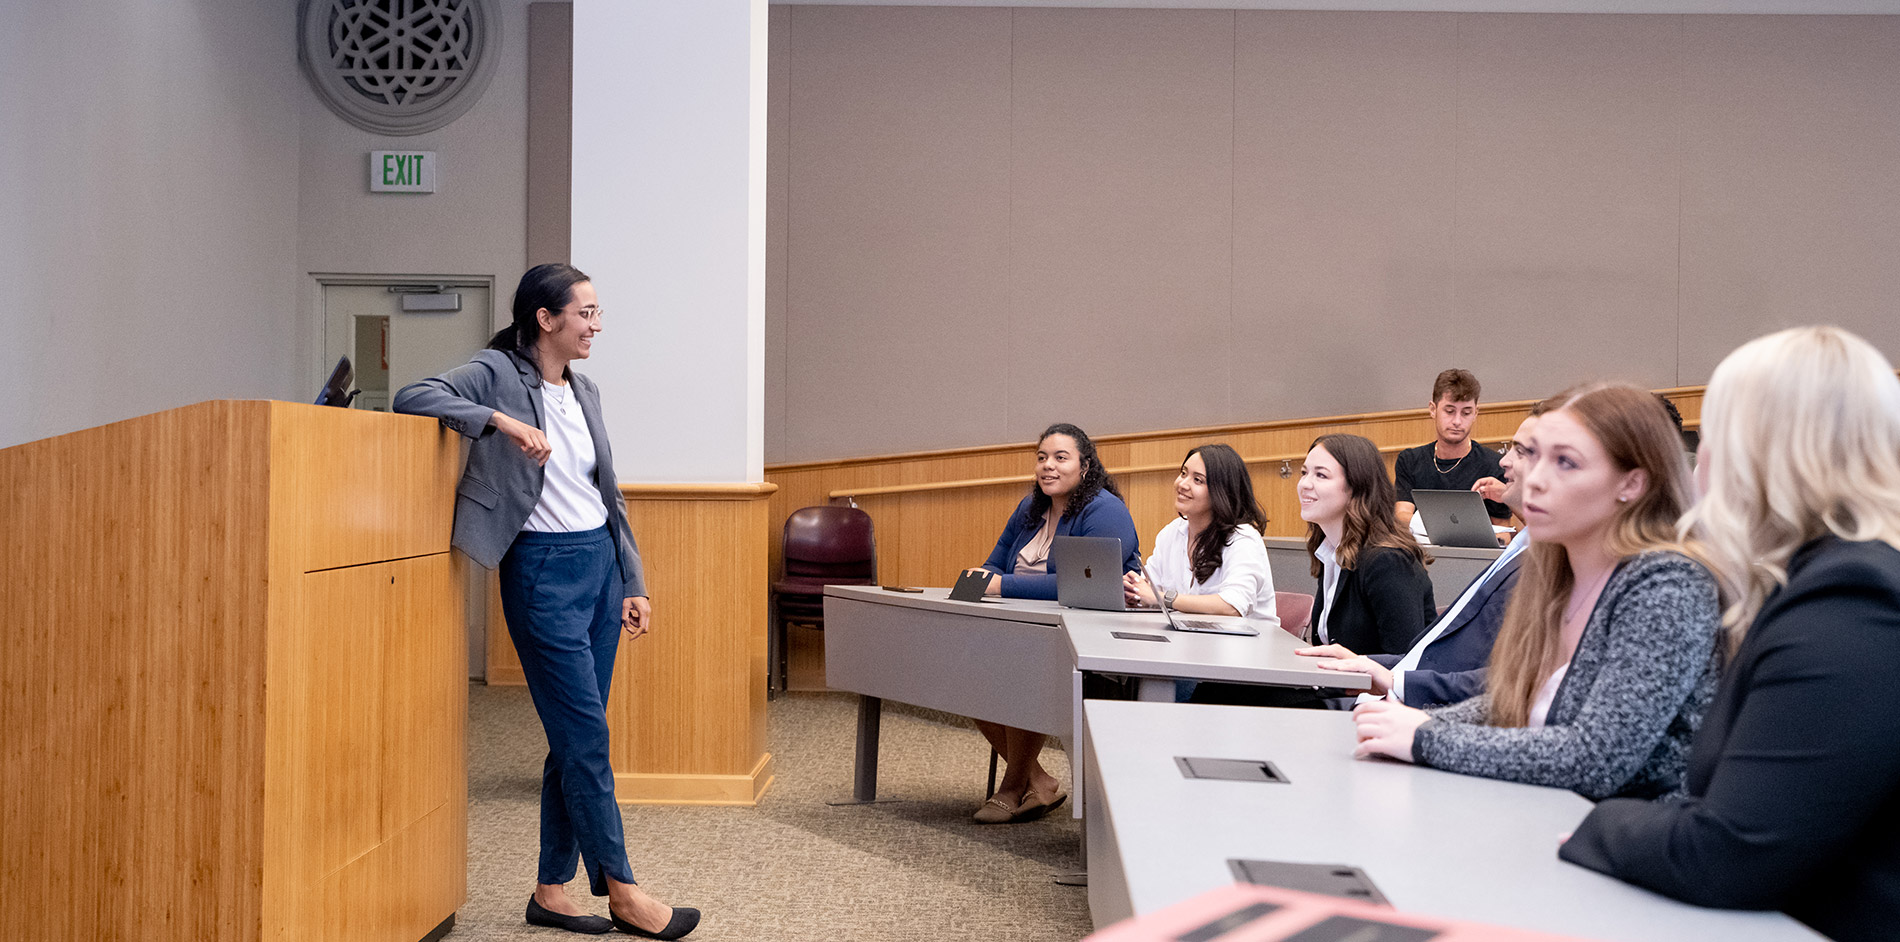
[(896, 305), (550, 134), (1344, 154), (778, 74), (1791, 180), (1566, 227), (1121, 218)]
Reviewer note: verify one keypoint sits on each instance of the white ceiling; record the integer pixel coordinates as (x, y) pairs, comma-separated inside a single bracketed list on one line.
[(1886, 7)]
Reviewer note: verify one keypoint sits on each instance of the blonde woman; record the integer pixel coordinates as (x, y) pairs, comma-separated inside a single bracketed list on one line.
[(1607, 656), (1793, 789)]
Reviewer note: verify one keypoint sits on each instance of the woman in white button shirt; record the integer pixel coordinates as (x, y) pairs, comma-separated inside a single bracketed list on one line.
[(1211, 560)]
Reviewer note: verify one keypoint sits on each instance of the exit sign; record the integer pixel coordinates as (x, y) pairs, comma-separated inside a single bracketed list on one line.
[(402, 171)]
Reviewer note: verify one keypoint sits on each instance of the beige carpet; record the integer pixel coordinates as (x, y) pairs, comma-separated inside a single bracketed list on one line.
[(793, 868)]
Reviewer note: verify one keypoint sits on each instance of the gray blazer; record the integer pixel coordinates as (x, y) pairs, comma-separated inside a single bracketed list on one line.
[(1626, 711), (500, 486)]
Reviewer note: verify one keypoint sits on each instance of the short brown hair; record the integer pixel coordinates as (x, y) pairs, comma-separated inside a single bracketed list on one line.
[(1455, 386)]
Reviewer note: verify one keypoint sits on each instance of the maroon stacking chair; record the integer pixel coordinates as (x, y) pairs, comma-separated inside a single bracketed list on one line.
[(822, 546), (1296, 611)]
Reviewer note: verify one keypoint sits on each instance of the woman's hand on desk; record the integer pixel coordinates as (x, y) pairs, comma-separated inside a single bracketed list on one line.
[(636, 615), (1136, 590), (1339, 658), (528, 438), (1385, 729), (994, 586)]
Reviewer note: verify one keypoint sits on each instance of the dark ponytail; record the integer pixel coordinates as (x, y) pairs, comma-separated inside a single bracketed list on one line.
[(548, 286)]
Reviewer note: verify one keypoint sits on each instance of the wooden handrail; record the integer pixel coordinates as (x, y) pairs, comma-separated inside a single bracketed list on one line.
[(1026, 478), (888, 489)]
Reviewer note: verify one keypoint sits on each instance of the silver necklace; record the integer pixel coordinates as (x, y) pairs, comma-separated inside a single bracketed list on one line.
[(560, 398), (1578, 604)]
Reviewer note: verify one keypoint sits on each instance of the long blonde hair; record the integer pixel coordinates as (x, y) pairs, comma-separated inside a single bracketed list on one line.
[(1636, 433), (1801, 438)]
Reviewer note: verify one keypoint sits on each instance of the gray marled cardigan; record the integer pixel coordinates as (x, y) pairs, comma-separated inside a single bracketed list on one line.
[(1645, 670)]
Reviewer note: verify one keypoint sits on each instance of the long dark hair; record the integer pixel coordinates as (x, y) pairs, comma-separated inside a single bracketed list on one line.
[(548, 286), (1230, 498), (1095, 478), (1371, 510)]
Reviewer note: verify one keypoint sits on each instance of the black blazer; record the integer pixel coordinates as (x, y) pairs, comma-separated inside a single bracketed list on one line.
[(1452, 669), (1793, 787), (1382, 604)]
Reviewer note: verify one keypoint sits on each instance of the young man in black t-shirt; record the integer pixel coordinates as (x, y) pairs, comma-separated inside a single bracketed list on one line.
[(1453, 462)]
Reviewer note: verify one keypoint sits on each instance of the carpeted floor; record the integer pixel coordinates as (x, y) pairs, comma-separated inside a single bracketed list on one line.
[(793, 868)]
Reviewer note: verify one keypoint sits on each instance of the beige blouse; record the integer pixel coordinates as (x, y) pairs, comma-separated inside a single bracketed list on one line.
[(1034, 557)]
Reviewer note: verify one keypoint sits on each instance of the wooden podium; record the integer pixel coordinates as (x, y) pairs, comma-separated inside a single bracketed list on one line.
[(233, 679)]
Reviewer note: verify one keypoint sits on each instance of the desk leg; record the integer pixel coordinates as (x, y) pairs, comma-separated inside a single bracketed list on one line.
[(864, 776), (1155, 690), (1078, 786)]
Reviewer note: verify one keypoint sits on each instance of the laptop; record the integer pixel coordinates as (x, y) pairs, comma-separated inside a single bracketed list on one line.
[(1089, 573), (1455, 518)]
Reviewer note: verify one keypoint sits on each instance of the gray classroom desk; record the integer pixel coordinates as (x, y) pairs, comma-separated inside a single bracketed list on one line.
[(1433, 842), (1020, 662), (1452, 568)]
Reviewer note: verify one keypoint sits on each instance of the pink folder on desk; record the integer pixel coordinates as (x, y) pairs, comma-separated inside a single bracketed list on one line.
[(1246, 913)]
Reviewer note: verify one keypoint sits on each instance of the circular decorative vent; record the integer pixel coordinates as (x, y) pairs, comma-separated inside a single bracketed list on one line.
[(398, 66)]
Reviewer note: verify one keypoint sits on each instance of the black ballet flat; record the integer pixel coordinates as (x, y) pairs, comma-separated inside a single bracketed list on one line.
[(539, 915), (684, 920)]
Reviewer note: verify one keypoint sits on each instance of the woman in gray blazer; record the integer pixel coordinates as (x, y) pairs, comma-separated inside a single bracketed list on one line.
[(539, 500), (1607, 657)]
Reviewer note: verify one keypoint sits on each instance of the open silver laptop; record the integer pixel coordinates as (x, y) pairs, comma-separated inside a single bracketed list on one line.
[(1455, 518), (1089, 573)]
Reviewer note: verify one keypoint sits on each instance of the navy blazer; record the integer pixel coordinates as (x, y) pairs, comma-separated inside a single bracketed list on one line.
[(500, 485), (1106, 515), (1381, 605), (1453, 666), (1793, 787)]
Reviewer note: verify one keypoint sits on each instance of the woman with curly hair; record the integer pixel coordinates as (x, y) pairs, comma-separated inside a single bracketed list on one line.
[(1073, 495)]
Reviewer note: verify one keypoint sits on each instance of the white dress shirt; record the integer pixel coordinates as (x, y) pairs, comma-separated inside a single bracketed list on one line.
[(1410, 661), (1329, 584), (1243, 580)]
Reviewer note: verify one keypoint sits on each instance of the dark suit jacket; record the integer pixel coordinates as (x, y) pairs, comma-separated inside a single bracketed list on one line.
[(500, 485), (1453, 667), (1793, 787), (1381, 605)]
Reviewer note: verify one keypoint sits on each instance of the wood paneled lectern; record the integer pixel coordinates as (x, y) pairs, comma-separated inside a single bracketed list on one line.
[(233, 684)]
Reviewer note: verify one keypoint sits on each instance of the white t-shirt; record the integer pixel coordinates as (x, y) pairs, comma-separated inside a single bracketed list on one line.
[(1244, 580), (570, 500)]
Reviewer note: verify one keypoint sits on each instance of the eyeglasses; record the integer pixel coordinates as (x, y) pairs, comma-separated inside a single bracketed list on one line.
[(592, 313)]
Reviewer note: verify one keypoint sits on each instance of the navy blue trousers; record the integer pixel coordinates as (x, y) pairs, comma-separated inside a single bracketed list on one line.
[(561, 594)]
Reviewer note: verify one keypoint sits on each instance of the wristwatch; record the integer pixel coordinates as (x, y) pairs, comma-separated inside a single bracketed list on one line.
[(1168, 597)]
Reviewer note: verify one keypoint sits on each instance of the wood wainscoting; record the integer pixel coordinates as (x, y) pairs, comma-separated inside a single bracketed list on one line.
[(938, 512), (687, 712)]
